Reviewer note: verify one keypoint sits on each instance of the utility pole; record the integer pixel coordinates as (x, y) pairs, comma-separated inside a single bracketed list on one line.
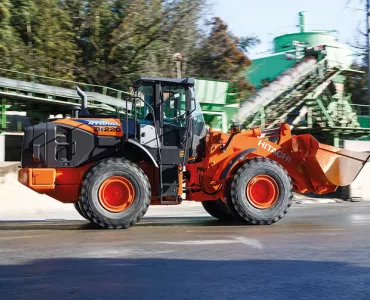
[(178, 68), (178, 59)]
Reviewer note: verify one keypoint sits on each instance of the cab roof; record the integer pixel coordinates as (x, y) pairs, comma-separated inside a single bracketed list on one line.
[(175, 81)]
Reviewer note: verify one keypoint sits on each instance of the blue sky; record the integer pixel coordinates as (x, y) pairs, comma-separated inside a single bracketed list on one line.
[(269, 18)]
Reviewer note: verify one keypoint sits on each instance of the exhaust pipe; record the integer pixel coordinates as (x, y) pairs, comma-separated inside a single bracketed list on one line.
[(83, 97)]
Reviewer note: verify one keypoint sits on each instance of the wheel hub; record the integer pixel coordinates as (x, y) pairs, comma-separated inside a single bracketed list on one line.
[(116, 194), (262, 191)]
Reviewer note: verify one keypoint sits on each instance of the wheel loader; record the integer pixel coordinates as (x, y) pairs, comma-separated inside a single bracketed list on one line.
[(112, 167)]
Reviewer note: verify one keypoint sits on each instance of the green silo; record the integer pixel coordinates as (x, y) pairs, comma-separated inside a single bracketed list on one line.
[(269, 67)]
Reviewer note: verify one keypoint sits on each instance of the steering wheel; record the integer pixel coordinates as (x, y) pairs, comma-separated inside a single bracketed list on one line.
[(181, 119)]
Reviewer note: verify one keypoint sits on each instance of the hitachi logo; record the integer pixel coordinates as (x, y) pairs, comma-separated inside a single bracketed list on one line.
[(98, 123), (280, 154), (102, 123)]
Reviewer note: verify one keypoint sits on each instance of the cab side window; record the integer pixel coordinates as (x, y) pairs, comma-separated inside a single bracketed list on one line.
[(173, 99)]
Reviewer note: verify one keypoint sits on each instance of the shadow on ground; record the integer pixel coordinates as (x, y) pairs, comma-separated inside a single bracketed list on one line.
[(85, 225), (183, 279)]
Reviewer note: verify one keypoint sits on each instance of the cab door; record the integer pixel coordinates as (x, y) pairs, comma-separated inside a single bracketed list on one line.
[(174, 121)]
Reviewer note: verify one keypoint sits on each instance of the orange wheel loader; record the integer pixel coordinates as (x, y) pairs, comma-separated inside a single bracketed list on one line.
[(160, 153)]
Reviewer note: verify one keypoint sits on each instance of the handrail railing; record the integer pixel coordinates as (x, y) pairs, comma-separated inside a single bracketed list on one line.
[(67, 83), (60, 90)]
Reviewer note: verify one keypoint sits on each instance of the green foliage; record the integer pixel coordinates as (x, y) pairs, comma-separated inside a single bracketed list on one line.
[(248, 42), (48, 37), (219, 57), (11, 47), (112, 42), (357, 85), (135, 43)]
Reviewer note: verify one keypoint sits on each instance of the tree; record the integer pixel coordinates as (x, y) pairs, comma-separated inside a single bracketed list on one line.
[(11, 47), (20, 19), (149, 34), (357, 84), (47, 31), (112, 42), (97, 20), (248, 42), (219, 57), (132, 43), (182, 34)]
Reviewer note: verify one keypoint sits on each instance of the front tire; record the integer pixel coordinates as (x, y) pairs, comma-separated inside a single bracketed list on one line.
[(261, 192), (218, 210), (115, 193)]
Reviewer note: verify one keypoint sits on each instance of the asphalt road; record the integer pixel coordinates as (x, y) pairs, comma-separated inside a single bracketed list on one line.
[(315, 252)]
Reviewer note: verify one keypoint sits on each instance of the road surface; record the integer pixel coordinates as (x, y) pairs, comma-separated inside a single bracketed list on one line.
[(316, 252)]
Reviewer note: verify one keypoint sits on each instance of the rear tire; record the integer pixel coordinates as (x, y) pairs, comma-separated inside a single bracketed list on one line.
[(79, 209), (218, 210), (115, 193), (261, 192)]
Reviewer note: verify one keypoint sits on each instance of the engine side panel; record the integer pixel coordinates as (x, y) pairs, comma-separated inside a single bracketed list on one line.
[(62, 145)]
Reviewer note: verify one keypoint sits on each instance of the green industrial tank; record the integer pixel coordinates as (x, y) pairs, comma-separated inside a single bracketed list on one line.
[(339, 55), (269, 67)]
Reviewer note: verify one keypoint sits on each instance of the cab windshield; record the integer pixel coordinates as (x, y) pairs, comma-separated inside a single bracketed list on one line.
[(174, 107)]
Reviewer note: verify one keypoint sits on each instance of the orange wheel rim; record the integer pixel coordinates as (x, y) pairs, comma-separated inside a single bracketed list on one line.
[(262, 191), (116, 194)]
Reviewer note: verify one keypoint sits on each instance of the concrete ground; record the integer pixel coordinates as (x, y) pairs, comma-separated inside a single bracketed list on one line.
[(47, 251), (315, 252)]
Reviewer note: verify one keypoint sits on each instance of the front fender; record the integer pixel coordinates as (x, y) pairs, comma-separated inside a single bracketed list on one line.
[(231, 161)]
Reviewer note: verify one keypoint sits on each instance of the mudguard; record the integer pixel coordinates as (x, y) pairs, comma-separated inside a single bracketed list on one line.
[(146, 151), (230, 163)]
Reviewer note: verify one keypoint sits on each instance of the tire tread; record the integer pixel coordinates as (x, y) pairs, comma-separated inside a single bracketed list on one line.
[(232, 200), (97, 169)]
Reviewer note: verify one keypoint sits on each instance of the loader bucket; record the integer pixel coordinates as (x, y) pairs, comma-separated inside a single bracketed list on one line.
[(328, 166)]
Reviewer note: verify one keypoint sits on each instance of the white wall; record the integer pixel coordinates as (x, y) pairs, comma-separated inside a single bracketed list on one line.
[(361, 186)]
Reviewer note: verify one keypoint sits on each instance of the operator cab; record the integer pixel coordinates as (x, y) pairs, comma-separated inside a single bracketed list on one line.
[(166, 122), (168, 117)]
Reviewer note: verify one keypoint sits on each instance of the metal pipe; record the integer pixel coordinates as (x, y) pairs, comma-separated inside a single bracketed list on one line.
[(302, 21), (272, 130), (75, 111), (126, 133), (135, 119), (83, 97)]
